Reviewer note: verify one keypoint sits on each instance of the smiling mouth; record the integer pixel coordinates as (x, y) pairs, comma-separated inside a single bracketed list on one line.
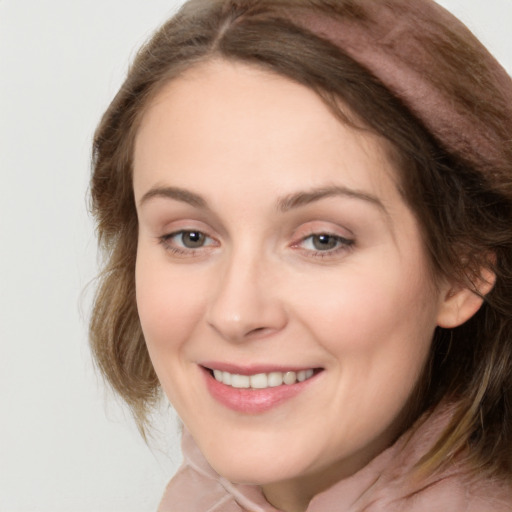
[(262, 380), (256, 390)]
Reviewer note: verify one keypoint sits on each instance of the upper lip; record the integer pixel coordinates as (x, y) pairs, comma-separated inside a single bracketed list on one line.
[(254, 369)]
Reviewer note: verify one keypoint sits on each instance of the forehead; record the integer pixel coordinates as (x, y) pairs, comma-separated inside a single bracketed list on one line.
[(222, 118)]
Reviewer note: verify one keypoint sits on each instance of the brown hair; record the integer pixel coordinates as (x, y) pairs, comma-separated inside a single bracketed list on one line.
[(463, 205)]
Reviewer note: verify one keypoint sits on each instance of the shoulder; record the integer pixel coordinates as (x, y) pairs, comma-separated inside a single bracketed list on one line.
[(196, 487), (459, 493), (490, 495), (455, 487), (194, 491)]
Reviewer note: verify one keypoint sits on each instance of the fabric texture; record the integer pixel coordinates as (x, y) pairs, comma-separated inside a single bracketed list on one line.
[(384, 485)]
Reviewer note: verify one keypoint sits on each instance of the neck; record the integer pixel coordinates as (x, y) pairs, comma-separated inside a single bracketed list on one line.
[(294, 495)]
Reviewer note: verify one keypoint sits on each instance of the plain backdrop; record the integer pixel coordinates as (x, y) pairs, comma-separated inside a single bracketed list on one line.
[(65, 444)]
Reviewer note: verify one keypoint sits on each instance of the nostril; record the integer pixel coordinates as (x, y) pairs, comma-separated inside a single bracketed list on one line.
[(258, 331)]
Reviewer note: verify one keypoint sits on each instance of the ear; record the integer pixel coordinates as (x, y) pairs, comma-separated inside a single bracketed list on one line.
[(460, 301)]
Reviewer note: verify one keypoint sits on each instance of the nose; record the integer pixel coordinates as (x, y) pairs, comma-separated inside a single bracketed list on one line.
[(246, 303)]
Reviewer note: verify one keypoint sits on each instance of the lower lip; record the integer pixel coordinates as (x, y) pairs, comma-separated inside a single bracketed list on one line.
[(253, 401)]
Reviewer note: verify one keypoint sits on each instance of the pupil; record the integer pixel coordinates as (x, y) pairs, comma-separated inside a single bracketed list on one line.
[(193, 239), (324, 242)]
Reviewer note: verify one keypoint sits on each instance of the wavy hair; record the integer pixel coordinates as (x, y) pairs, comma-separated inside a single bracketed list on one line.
[(465, 214)]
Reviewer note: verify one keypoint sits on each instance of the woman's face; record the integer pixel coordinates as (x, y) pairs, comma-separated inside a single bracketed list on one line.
[(273, 245)]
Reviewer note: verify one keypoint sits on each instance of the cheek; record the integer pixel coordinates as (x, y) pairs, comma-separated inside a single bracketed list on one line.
[(168, 306), (377, 329), (371, 318)]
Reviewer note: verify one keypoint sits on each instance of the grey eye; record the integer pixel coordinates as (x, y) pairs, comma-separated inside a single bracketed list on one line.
[(324, 242), (192, 239)]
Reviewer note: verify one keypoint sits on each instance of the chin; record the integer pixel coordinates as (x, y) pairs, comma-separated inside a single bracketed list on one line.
[(256, 470)]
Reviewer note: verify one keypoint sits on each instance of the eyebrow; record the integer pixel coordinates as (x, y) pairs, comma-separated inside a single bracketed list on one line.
[(178, 194), (303, 198), (284, 204)]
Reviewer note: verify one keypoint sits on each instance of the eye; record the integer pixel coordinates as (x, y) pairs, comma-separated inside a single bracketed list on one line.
[(186, 241), (322, 242), (325, 242), (190, 239)]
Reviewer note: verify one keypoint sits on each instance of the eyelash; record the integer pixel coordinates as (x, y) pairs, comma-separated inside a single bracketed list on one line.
[(166, 241), (342, 244)]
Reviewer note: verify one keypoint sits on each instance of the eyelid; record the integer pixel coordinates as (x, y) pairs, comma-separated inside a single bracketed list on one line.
[(182, 251), (345, 239), (169, 227), (173, 234), (322, 228)]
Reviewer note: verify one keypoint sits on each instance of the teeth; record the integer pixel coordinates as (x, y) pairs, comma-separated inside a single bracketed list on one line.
[(275, 379), (262, 380), (240, 381), (259, 381), (290, 378)]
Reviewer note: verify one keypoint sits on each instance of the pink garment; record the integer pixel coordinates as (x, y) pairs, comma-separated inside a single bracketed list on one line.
[(382, 486)]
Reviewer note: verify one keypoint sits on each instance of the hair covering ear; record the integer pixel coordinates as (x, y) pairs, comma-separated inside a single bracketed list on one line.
[(461, 301)]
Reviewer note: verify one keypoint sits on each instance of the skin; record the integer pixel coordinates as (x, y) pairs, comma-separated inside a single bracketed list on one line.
[(260, 291)]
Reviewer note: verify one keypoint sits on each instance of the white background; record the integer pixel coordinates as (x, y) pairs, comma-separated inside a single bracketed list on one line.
[(64, 444)]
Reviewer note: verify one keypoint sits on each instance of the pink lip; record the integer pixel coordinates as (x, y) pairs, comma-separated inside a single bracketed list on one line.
[(252, 401)]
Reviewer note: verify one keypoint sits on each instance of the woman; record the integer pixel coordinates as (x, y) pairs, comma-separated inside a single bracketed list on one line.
[(306, 208)]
